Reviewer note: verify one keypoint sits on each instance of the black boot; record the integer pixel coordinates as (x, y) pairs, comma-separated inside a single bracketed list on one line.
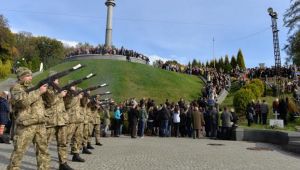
[(77, 158), (86, 151), (89, 146), (65, 166), (99, 144)]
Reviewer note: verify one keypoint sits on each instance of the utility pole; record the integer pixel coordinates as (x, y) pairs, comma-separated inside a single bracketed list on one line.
[(276, 49), (275, 40), (214, 52)]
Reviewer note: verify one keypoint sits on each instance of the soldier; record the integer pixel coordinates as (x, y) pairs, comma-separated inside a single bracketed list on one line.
[(57, 118), (95, 125), (86, 130), (30, 121), (75, 127)]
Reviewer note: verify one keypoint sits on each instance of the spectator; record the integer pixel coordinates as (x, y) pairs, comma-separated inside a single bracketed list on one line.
[(226, 118), (143, 116), (164, 117), (106, 121), (198, 123), (176, 120), (4, 112), (117, 120), (133, 115), (249, 114), (214, 119), (264, 108)]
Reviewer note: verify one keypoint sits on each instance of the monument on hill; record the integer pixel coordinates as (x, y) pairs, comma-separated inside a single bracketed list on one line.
[(108, 36)]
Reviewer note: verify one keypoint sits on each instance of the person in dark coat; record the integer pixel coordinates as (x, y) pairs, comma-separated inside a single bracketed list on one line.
[(4, 116), (207, 121), (133, 115), (214, 119), (164, 116), (264, 108), (249, 114), (283, 107), (226, 118)]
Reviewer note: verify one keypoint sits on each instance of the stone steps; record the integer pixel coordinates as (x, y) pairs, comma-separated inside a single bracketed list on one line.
[(294, 137)]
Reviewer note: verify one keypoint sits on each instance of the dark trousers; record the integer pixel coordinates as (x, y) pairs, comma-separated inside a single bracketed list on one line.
[(259, 115), (176, 129), (264, 118), (117, 127), (133, 128), (163, 130), (189, 127), (141, 128), (226, 134), (214, 130)]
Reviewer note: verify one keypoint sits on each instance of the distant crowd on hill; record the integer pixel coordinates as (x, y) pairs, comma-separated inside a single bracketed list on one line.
[(112, 51), (216, 80), (288, 72)]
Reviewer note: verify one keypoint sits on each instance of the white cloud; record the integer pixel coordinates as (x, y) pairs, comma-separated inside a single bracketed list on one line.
[(69, 43), (155, 57), (66, 43)]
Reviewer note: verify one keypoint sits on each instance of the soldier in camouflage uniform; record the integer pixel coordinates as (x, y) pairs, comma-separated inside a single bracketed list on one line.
[(95, 125), (86, 130), (75, 127), (30, 121), (90, 118), (57, 119)]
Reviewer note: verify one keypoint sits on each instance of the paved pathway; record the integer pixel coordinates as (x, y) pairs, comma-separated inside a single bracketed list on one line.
[(5, 85), (153, 153)]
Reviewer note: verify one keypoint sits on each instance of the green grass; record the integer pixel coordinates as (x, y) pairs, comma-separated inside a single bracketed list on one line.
[(128, 80)]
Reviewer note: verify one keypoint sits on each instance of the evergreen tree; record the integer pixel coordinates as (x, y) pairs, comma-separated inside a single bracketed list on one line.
[(292, 16), (227, 66), (194, 63), (240, 59), (221, 64), (292, 21), (233, 62), (293, 49)]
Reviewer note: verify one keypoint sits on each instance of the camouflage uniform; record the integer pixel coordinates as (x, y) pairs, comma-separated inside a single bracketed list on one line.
[(95, 123), (57, 118), (75, 127), (90, 126), (86, 127), (30, 124)]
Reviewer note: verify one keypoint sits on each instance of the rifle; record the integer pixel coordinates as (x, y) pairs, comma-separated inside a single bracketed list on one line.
[(101, 94), (49, 80), (92, 88), (74, 83)]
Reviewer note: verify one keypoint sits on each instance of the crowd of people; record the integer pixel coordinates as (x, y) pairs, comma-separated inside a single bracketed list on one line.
[(112, 51), (288, 72), (178, 119)]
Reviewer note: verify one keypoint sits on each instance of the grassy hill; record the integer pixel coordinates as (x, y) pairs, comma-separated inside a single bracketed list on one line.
[(128, 80)]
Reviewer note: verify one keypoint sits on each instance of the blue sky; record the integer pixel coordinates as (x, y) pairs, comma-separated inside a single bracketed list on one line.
[(170, 29)]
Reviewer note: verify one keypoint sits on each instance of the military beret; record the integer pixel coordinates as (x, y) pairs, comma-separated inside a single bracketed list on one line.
[(22, 71)]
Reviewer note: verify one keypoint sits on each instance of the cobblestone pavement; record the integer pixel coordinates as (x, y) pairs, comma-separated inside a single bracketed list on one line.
[(170, 153)]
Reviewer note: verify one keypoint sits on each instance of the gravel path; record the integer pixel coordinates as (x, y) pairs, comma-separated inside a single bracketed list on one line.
[(170, 153)]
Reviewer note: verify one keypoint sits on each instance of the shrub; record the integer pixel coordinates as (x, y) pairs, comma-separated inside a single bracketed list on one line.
[(5, 68), (254, 89), (241, 100), (260, 85)]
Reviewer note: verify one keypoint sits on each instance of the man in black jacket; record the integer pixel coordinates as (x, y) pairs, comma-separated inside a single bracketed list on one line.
[(133, 118)]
